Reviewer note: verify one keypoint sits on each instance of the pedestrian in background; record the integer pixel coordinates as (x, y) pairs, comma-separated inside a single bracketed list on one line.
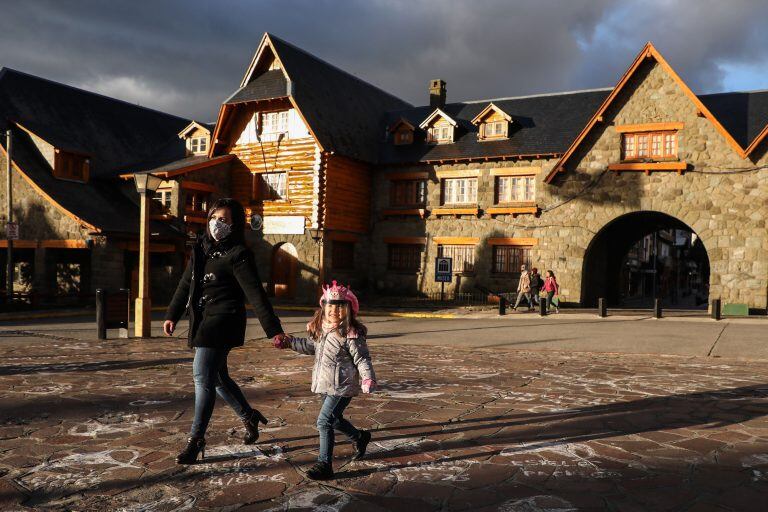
[(524, 288), (342, 369), (220, 276), (536, 283), (552, 289)]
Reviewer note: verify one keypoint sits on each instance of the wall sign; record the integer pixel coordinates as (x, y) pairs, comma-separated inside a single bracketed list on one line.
[(12, 230), (443, 270), (284, 225)]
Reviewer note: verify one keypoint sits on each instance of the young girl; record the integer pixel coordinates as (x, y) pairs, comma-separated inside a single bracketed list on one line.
[(552, 289), (337, 339)]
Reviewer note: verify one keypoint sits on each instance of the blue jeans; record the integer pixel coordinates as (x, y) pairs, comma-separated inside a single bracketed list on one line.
[(211, 376), (331, 418)]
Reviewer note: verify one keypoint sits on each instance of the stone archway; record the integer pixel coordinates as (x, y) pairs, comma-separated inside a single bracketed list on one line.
[(642, 255), (283, 270)]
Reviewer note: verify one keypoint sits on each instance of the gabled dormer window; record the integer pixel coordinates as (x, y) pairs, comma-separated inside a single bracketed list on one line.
[(440, 127), (493, 123), (70, 166), (272, 125), (402, 132), (198, 145)]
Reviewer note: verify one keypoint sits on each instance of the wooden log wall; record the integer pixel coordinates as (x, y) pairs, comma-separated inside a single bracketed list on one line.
[(298, 157), (347, 199)]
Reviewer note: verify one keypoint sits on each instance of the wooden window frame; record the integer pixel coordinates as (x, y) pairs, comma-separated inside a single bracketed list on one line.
[(514, 201), (484, 135), (432, 139), (660, 156), (403, 137), (444, 199), (258, 188), (395, 185), (509, 269), (417, 247), (261, 124)]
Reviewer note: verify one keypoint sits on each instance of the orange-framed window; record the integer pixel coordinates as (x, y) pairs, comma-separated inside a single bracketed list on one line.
[(408, 193), (459, 191), (507, 259), (654, 145), (463, 256), (512, 189)]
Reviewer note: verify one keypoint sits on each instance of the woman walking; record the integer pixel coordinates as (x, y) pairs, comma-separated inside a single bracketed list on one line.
[(552, 289), (221, 274)]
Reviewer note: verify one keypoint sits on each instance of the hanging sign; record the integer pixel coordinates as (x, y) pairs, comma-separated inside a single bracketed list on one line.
[(283, 225)]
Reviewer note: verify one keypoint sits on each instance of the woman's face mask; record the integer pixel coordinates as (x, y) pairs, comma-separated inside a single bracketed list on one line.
[(219, 229)]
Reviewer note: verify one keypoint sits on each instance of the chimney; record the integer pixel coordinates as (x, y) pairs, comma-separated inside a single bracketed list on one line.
[(437, 93)]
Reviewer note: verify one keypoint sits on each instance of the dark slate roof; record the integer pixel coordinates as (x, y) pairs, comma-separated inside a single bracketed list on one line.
[(100, 203), (117, 135), (271, 84), (542, 125), (343, 111), (743, 114), (189, 161)]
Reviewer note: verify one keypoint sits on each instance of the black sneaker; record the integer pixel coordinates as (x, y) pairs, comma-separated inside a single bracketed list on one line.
[(362, 444), (320, 471)]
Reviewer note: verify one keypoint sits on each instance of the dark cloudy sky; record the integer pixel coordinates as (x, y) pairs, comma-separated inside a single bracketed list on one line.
[(185, 57)]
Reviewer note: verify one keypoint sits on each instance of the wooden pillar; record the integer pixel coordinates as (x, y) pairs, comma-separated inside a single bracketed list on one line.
[(143, 304)]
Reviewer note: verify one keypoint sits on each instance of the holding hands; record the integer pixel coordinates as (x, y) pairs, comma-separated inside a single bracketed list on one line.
[(368, 385), (282, 341)]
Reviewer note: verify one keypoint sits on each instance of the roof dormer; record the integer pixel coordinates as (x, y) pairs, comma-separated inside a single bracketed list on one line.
[(492, 123), (440, 127), (197, 137), (402, 132)]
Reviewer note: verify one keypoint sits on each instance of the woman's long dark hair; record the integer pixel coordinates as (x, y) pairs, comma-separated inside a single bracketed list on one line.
[(237, 236)]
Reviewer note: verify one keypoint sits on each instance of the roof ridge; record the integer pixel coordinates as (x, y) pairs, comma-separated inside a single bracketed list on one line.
[(325, 62), (753, 91), (541, 95), (91, 93)]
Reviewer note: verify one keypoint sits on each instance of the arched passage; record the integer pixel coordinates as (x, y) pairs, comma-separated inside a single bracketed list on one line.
[(642, 255), (284, 269)]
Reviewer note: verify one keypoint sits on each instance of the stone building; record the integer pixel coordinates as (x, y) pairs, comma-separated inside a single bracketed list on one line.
[(569, 182), (78, 221)]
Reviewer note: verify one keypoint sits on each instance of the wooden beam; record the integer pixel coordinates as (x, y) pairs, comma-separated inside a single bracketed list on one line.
[(455, 211), (649, 127), (516, 171), (527, 242), (468, 173), (456, 240), (416, 175), (405, 240), (196, 185), (512, 210), (46, 244), (650, 166)]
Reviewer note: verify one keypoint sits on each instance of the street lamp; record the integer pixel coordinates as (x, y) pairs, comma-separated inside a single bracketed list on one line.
[(146, 184)]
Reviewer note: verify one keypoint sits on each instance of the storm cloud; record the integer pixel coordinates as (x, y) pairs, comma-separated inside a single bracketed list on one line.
[(185, 57)]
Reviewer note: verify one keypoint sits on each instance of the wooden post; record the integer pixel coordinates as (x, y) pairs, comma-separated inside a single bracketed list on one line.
[(143, 321), (9, 208)]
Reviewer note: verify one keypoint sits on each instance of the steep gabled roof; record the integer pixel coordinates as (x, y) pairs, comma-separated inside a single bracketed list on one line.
[(342, 111), (648, 52), (434, 114), (114, 133), (192, 126), (483, 113), (743, 114), (270, 84), (542, 125), (396, 124)]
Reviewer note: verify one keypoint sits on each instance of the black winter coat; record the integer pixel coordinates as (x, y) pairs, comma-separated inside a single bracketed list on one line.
[(213, 290)]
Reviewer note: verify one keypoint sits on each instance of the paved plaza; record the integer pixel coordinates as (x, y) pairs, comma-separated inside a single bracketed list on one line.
[(478, 425)]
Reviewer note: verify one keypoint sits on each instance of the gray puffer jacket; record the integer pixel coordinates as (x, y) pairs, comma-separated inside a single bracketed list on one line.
[(340, 363)]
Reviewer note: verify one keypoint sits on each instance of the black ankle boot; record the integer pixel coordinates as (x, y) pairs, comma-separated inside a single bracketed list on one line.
[(195, 445), (252, 426), (362, 444), (320, 471)]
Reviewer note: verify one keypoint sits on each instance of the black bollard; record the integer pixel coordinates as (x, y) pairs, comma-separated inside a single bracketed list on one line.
[(101, 317), (656, 308), (717, 312), (542, 307), (502, 305), (602, 311)]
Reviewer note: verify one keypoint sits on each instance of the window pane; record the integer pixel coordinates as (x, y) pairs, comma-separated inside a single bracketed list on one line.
[(669, 144), (642, 145), (508, 259), (656, 144), (463, 256)]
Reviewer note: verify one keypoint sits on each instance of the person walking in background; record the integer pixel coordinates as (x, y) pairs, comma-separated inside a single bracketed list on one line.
[(552, 289), (342, 369), (220, 276), (524, 288), (536, 283)]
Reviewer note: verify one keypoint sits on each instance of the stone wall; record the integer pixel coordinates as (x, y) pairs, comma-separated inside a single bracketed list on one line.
[(726, 210)]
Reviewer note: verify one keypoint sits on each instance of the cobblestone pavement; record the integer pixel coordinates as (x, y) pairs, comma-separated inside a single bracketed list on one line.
[(88, 425)]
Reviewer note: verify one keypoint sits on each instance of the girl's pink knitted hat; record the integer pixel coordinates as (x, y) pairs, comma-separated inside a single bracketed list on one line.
[(337, 294)]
